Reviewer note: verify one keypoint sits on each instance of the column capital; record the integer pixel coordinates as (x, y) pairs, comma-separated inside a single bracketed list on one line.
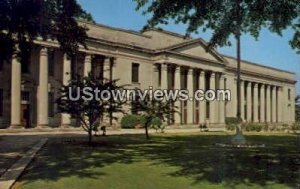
[(212, 74), (255, 85), (190, 71), (177, 68), (43, 51), (164, 66)]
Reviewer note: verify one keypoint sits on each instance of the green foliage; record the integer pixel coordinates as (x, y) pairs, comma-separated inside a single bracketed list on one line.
[(23, 21), (296, 126), (225, 18), (231, 120), (297, 108), (231, 123), (151, 108), (252, 127), (157, 124), (88, 111), (130, 121)]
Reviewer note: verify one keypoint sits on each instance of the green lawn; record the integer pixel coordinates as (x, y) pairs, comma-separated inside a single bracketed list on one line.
[(167, 161)]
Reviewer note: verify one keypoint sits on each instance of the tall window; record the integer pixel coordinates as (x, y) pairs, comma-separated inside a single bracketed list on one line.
[(1, 102), (1, 63), (135, 73), (289, 94), (51, 62), (51, 104)]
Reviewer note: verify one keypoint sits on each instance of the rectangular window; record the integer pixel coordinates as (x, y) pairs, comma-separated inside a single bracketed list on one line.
[(135, 73), (51, 104), (289, 94), (51, 62), (1, 102)]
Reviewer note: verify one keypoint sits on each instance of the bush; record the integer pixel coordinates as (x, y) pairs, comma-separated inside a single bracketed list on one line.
[(252, 127), (231, 123), (130, 121), (230, 127), (296, 126), (157, 124), (231, 120)]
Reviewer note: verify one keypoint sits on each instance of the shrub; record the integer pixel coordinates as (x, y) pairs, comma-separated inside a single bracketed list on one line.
[(230, 127), (296, 126), (252, 127), (231, 120), (130, 121), (157, 124), (231, 123)]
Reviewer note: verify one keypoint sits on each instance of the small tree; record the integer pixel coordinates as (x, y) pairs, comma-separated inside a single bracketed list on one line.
[(297, 108), (151, 108), (76, 100)]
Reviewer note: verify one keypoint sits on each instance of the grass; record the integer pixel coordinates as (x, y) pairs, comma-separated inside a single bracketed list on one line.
[(167, 161)]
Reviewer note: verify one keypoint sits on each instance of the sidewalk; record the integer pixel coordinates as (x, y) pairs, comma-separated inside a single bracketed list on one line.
[(58, 131)]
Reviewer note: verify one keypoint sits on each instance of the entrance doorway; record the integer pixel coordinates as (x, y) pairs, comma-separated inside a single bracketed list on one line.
[(25, 115)]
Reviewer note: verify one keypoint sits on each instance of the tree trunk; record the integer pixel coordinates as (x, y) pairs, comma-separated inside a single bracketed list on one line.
[(146, 131), (90, 136), (238, 39), (238, 52)]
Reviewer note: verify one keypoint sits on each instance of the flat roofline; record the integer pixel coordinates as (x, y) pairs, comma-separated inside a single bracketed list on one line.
[(260, 65)]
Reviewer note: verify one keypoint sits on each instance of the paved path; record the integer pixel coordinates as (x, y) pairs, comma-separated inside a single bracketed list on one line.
[(13, 173)]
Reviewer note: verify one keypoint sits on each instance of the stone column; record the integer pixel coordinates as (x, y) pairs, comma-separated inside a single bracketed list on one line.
[(190, 104), (262, 103), (87, 65), (243, 100), (155, 77), (212, 104), (279, 104), (249, 102), (114, 74), (106, 68), (164, 76), (66, 118), (222, 102), (177, 116), (274, 113), (268, 104), (255, 103), (15, 105), (202, 103), (43, 90)]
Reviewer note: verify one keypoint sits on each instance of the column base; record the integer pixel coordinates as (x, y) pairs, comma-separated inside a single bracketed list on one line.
[(65, 126), (42, 126), (16, 126)]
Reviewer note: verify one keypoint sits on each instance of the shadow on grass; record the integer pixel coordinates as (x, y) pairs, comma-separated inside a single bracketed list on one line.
[(194, 156)]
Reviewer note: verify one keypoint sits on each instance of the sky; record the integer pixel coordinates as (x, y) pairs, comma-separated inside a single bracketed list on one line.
[(270, 49)]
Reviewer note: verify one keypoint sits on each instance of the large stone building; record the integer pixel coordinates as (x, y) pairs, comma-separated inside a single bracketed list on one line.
[(155, 58)]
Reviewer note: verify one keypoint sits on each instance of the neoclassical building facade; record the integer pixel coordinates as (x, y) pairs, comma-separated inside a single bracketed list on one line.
[(157, 58)]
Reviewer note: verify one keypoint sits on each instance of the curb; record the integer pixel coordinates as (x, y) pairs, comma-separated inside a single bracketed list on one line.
[(13, 173)]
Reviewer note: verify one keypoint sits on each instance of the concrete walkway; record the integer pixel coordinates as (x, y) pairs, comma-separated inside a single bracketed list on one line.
[(36, 132), (13, 173)]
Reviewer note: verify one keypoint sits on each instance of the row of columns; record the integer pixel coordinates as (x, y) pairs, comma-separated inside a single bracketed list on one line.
[(216, 108), (42, 89), (263, 102)]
